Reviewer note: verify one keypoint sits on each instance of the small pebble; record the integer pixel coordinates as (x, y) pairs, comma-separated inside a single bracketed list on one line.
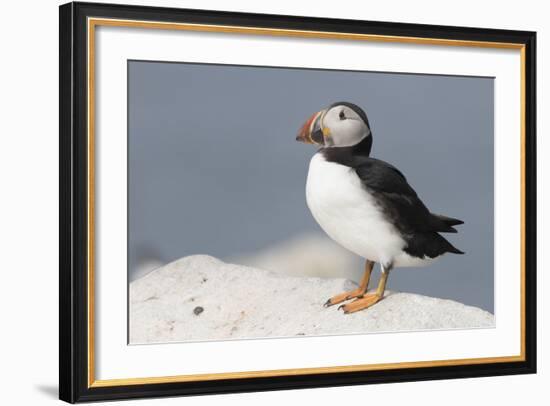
[(198, 310)]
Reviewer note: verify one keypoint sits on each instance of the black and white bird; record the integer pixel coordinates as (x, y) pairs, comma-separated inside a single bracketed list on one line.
[(365, 204)]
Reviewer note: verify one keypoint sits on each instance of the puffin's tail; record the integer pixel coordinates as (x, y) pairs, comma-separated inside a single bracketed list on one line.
[(451, 248), (429, 244), (446, 224), (446, 246), (449, 220)]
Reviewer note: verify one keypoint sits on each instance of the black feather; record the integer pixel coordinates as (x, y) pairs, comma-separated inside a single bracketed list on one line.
[(360, 112), (398, 201), (428, 245), (449, 220)]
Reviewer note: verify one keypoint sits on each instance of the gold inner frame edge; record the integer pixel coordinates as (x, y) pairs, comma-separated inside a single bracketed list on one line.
[(93, 22)]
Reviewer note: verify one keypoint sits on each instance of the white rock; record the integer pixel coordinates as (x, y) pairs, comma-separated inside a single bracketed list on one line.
[(200, 298)]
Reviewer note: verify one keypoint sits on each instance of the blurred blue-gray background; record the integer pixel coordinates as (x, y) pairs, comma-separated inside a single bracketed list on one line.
[(214, 167)]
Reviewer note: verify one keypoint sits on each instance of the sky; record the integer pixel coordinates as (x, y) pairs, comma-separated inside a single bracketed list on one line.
[(214, 167)]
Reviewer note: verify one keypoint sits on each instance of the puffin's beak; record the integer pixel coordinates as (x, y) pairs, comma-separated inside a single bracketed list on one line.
[(311, 132)]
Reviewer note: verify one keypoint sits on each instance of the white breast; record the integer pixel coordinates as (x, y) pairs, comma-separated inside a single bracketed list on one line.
[(349, 215)]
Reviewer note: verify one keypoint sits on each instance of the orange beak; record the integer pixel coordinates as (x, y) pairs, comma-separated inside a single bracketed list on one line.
[(310, 132)]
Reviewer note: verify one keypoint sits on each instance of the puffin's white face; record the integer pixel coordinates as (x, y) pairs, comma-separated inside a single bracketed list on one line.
[(343, 127), (338, 126)]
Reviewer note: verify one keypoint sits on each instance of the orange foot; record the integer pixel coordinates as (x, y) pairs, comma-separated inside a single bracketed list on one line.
[(361, 303), (344, 296)]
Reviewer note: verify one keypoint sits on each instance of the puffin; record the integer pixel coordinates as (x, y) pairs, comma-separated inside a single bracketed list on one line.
[(365, 204)]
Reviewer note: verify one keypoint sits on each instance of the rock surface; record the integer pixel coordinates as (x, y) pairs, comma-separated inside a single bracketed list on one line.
[(200, 298)]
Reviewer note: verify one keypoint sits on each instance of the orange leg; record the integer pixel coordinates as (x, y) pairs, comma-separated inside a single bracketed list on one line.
[(367, 301), (360, 291)]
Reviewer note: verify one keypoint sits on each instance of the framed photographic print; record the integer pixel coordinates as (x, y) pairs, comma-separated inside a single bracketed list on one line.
[(258, 202)]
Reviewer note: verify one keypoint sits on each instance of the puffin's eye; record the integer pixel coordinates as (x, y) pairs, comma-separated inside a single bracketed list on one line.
[(342, 115)]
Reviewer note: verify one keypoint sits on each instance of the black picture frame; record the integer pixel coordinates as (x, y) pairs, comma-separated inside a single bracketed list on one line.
[(73, 284)]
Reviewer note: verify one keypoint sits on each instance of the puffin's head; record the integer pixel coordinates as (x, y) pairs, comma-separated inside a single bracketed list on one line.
[(342, 124)]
